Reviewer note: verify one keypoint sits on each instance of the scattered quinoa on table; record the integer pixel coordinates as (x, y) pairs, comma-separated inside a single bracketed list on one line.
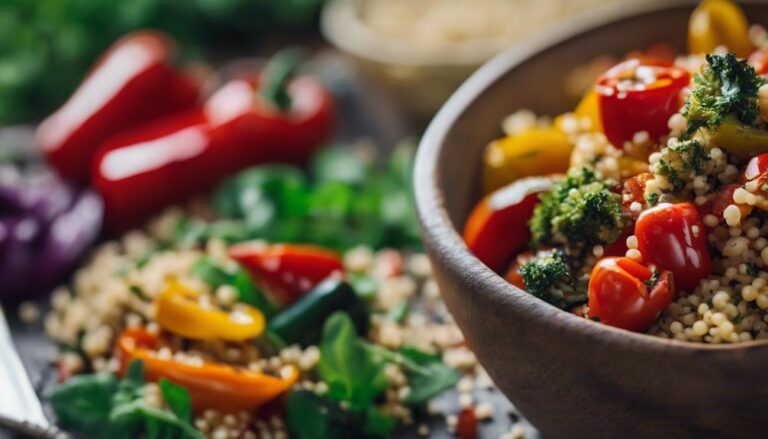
[(646, 208)]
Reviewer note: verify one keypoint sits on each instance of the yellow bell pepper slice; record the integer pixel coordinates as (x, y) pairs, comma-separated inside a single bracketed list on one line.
[(743, 141), (538, 151), (587, 108), (178, 311), (719, 23)]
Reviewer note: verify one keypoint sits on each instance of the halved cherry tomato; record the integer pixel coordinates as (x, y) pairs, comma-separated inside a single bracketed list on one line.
[(634, 191), (672, 237), (757, 167), (722, 199), (619, 295), (287, 271), (639, 95), (497, 228)]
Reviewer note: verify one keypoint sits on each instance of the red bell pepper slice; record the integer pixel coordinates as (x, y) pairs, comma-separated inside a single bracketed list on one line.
[(497, 228), (133, 82), (287, 271), (620, 293), (141, 171), (639, 95), (672, 237)]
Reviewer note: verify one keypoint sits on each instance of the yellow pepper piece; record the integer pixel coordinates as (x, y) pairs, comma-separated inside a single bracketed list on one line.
[(719, 23), (178, 311), (538, 151), (587, 108), (743, 141)]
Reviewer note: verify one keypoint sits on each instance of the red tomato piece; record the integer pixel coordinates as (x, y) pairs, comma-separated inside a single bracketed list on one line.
[(639, 95), (672, 237), (287, 271), (759, 61), (466, 427), (497, 228), (619, 296), (757, 167)]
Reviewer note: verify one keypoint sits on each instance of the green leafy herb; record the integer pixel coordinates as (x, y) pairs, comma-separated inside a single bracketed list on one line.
[(101, 406), (725, 86), (311, 416), (399, 312), (579, 210), (652, 198), (215, 276), (352, 372), (430, 379), (548, 277), (278, 74), (177, 399)]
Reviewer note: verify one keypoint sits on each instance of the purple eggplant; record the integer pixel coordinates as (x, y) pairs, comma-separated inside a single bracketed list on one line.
[(46, 226)]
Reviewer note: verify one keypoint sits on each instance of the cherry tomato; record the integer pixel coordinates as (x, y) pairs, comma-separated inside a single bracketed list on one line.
[(672, 237), (513, 275), (759, 61), (287, 271), (619, 296), (497, 228), (639, 95), (757, 167), (722, 199), (466, 427), (634, 191)]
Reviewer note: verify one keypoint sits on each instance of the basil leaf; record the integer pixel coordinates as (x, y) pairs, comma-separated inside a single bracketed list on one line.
[(178, 399), (310, 416), (83, 403), (431, 378), (352, 372)]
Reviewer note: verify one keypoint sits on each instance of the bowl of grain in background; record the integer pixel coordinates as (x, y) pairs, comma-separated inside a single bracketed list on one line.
[(419, 52)]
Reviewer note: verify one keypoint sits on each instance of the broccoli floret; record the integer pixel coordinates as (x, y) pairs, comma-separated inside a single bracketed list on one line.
[(548, 277), (681, 162), (725, 86), (580, 210)]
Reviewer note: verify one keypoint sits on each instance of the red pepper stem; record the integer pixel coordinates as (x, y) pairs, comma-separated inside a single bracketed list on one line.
[(282, 67)]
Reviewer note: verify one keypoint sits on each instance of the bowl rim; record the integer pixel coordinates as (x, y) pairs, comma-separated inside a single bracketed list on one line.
[(341, 26), (445, 239)]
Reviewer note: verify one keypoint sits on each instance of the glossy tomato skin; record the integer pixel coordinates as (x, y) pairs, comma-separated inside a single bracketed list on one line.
[(637, 95), (757, 167), (497, 228), (620, 297), (759, 61), (672, 237)]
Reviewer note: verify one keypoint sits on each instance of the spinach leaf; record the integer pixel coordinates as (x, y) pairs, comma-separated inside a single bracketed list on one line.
[(102, 406), (430, 379), (310, 416), (352, 372), (83, 402), (177, 399)]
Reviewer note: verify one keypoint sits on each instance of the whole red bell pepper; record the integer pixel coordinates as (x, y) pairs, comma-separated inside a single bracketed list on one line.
[(273, 118), (287, 271), (132, 83), (639, 95)]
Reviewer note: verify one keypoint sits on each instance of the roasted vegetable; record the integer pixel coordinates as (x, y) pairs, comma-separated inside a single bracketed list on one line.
[(548, 277), (725, 89), (579, 210), (680, 162)]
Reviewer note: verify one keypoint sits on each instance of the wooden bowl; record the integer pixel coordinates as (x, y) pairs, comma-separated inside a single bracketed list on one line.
[(570, 376)]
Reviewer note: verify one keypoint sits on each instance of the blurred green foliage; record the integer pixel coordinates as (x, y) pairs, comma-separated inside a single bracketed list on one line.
[(46, 46)]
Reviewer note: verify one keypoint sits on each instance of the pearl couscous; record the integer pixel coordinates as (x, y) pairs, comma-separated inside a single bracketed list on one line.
[(653, 211)]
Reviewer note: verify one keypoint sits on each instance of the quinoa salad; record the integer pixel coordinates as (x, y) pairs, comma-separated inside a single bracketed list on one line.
[(209, 326), (646, 208)]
